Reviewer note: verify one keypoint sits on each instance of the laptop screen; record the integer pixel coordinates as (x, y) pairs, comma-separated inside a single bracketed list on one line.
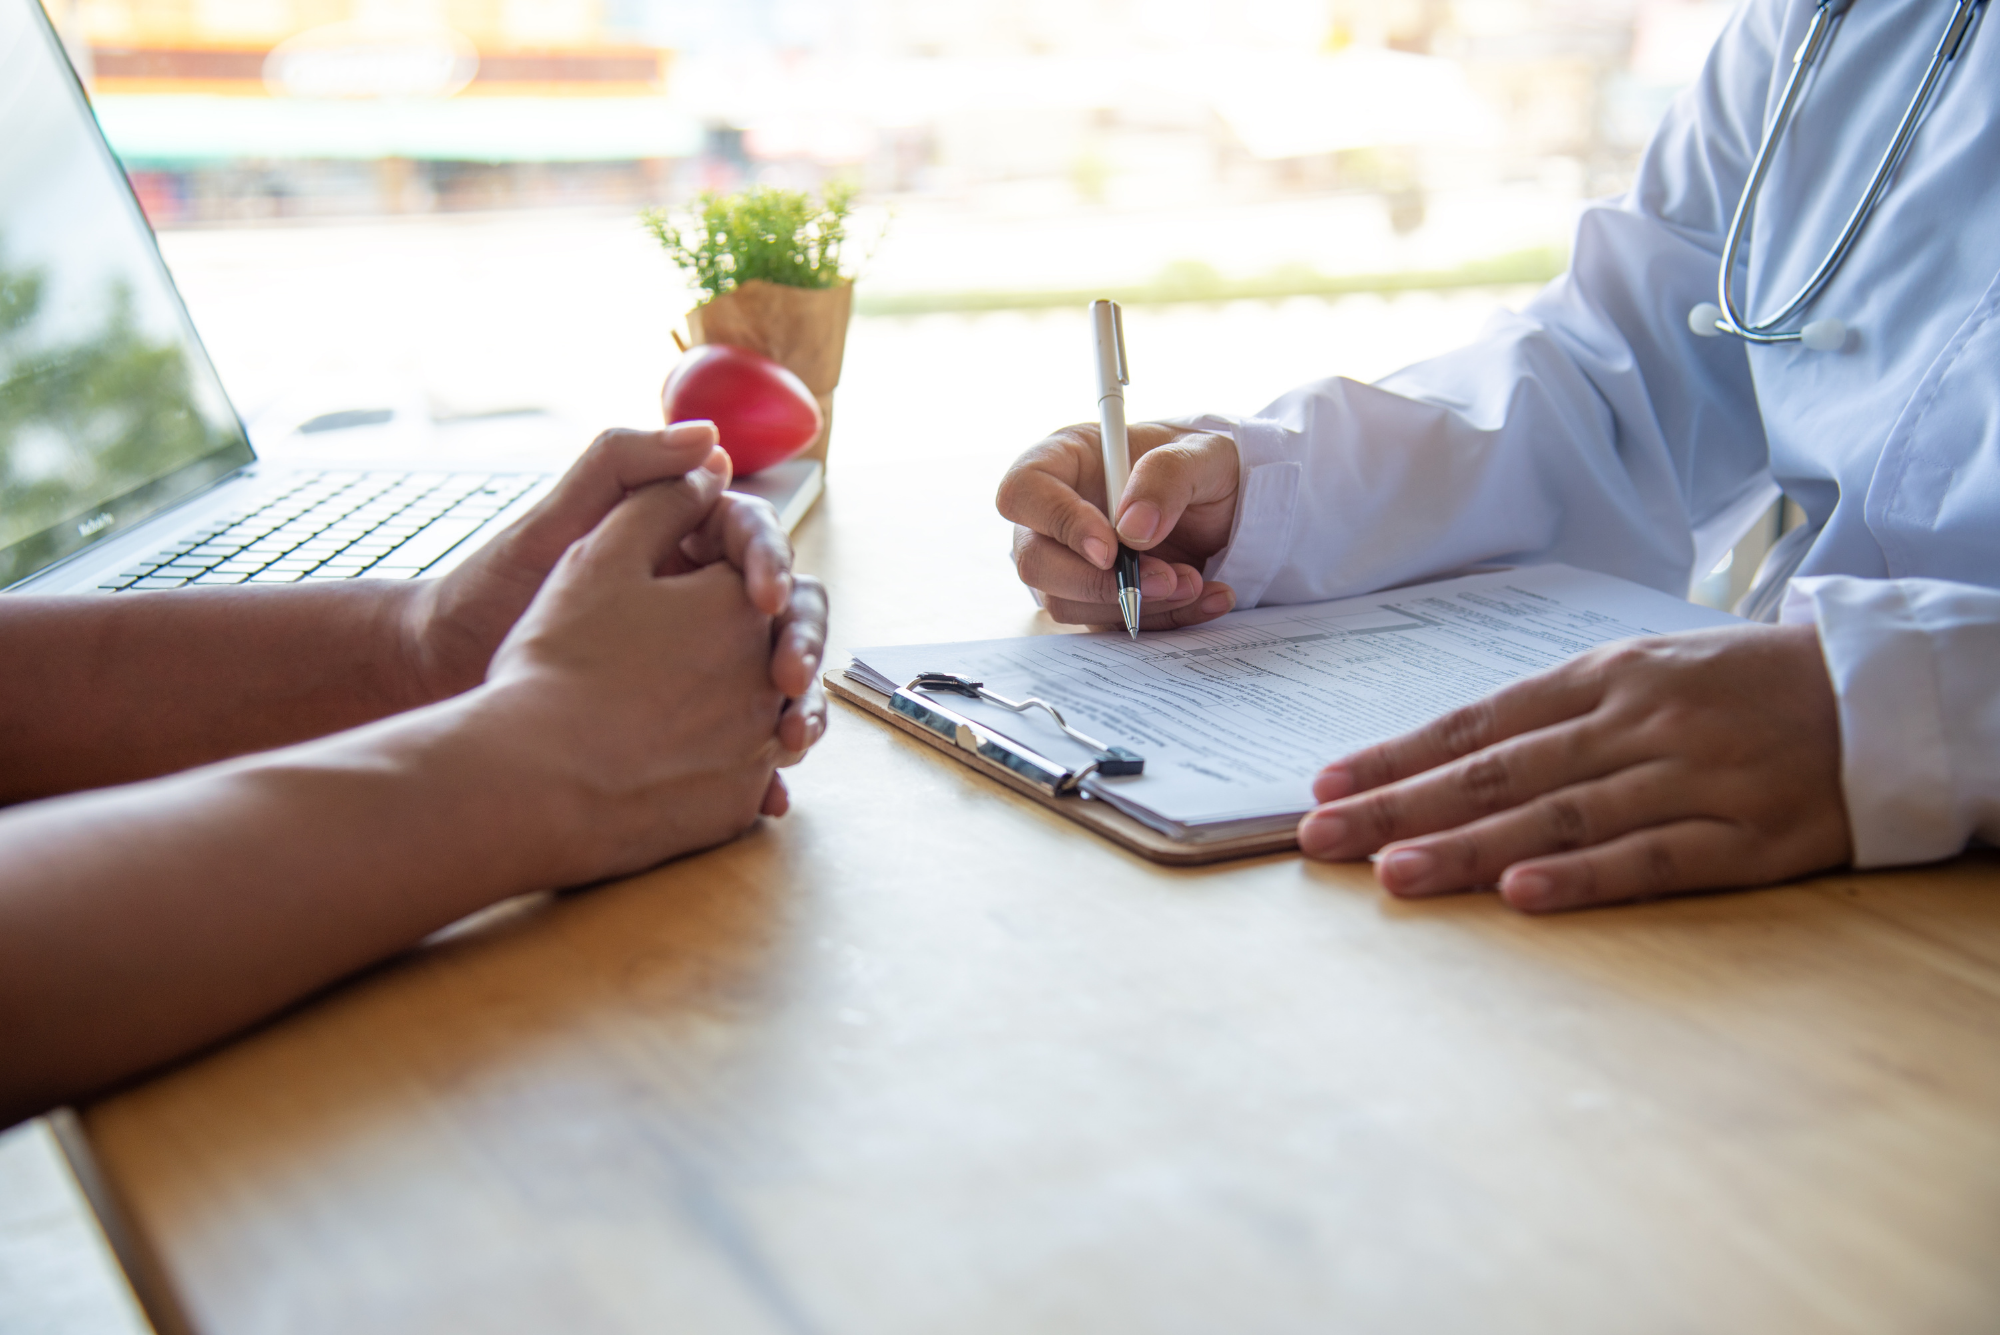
[(109, 408)]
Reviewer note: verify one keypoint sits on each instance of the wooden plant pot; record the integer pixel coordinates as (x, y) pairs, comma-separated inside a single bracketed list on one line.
[(803, 329)]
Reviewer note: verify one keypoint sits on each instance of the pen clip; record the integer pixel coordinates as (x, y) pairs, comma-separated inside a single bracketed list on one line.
[(1118, 343)]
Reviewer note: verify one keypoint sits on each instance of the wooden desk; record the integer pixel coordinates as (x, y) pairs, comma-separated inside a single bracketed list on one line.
[(922, 1057)]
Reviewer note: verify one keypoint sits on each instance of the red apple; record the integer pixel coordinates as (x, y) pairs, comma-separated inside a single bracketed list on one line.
[(764, 413)]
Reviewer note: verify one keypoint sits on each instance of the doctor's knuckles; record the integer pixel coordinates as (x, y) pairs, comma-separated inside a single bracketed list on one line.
[(640, 706), (1651, 767), (1176, 511)]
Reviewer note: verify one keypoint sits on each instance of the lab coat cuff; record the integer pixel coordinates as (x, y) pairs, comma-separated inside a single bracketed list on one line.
[(1895, 757), (1270, 475)]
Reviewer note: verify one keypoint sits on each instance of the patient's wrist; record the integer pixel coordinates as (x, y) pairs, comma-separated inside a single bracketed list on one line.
[(436, 657), (501, 750), (456, 799)]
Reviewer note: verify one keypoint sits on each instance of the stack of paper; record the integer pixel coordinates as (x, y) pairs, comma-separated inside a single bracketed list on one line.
[(1235, 717)]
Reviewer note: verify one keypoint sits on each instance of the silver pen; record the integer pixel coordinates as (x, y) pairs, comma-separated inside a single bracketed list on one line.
[(1108, 327)]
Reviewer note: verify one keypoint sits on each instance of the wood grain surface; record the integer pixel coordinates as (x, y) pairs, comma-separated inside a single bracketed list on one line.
[(925, 1057)]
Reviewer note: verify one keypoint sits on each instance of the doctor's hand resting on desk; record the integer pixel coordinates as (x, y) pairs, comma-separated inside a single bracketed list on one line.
[(313, 778), (1648, 768)]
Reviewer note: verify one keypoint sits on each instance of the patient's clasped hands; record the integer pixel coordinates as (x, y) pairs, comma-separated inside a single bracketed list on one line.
[(671, 654), (645, 640), (1653, 767), (341, 769)]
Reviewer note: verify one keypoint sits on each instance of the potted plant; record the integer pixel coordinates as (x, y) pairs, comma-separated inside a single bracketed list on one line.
[(769, 261)]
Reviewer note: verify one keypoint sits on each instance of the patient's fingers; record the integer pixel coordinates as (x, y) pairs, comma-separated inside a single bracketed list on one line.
[(746, 532), (802, 724), (645, 530), (798, 640), (616, 463), (777, 801)]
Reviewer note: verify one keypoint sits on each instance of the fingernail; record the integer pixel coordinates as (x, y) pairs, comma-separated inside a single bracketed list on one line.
[(1334, 782), (1218, 602), (1097, 552), (1157, 581), (1528, 889), (1405, 870), (1137, 524), (811, 662), (1321, 834)]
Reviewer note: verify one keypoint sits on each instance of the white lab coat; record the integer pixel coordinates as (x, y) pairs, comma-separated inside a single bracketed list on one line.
[(1594, 428)]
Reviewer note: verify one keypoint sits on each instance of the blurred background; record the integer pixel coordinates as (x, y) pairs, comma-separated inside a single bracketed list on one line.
[(434, 201)]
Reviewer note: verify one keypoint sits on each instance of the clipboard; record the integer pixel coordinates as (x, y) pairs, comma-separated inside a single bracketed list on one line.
[(1017, 770)]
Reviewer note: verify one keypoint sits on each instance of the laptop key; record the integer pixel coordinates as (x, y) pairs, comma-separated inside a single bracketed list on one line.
[(427, 546)]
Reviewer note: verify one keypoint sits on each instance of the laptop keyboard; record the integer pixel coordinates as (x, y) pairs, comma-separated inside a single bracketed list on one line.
[(334, 525)]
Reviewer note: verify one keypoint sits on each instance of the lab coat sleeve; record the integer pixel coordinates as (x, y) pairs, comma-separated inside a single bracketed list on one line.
[(1916, 666), (1592, 428)]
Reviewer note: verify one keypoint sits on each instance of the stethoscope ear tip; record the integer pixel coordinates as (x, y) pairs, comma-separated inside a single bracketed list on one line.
[(1819, 336), (1824, 336)]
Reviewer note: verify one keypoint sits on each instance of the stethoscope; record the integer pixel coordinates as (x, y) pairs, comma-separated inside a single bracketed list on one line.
[(1823, 335)]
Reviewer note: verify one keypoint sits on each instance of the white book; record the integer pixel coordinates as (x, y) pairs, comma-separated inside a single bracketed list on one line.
[(1235, 717)]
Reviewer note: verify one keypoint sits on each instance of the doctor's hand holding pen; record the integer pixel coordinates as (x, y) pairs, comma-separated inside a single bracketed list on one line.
[(1654, 767), (1176, 512)]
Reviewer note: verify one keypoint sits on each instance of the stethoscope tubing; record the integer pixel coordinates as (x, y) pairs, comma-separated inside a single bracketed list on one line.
[(1812, 47)]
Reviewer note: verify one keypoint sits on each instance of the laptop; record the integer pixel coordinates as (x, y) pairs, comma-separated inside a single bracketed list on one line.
[(123, 464)]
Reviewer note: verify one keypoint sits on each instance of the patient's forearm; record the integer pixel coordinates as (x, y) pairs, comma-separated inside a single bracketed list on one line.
[(140, 923), (103, 690)]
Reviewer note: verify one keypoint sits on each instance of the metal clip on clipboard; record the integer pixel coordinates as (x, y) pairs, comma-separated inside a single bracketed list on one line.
[(1047, 776)]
